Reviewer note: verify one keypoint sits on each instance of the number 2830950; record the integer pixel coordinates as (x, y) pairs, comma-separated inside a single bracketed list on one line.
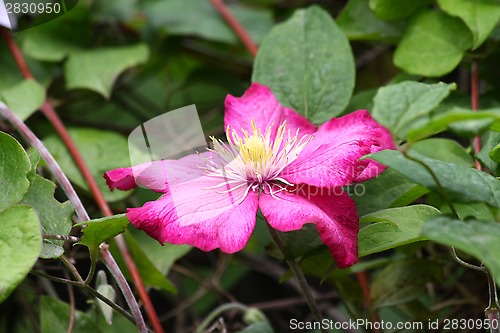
[(33, 8)]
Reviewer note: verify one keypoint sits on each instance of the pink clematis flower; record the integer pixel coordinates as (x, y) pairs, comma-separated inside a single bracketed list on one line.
[(275, 160)]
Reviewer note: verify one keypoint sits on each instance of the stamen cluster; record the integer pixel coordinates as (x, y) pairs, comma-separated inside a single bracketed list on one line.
[(254, 160)]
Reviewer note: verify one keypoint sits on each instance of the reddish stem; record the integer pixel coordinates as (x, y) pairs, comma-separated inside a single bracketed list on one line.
[(238, 29), (49, 112), (474, 83), (16, 53)]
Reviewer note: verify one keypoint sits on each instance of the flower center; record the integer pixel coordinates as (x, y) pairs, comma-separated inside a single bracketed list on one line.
[(253, 160), (254, 150)]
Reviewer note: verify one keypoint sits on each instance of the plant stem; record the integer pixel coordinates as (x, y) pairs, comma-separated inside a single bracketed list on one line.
[(474, 85), (299, 275), (492, 312), (238, 29), (217, 312), (48, 110), (93, 264), (61, 237), (123, 285), (35, 142), (89, 290), (71, 295), (71, 268), (493, 309), (139, 284)]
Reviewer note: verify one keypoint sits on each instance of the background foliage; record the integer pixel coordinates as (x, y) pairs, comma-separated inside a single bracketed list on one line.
[(110, 65)]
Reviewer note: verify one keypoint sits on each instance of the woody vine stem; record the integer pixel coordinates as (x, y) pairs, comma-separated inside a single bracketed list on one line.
[(83, 216)]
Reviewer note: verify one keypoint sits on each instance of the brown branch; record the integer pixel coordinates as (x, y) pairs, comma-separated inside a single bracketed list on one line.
[(71, 295)]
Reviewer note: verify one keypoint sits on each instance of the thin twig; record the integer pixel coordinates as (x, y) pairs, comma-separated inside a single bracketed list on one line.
[(299, 275), (287, 303), (71, 295), (61, 237), (217, 312), (87, 289), (123, 285), (71, 268)]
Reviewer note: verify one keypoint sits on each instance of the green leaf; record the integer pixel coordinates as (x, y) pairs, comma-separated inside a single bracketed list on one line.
[(400, 105), (34, 156), (24, 98), (489, 141), (54, 318), (396, 9), (101, 150), (359, 22), (151, 276), (308, 64), (463, 184), (495, 153), (20, 244), (389, 189), (475, 237), (162, 256), (445, 150), (475, 210), (433, 44), (98, 69), (442, 121), (14, 167), (194, 17), (97, 231), (55, 217), (393, 227), (403, 281), (55, 40), (470, 128), (480, 16)]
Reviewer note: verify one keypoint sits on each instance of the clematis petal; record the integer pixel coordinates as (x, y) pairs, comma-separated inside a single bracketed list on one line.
[(296, 121), (330, 209), (332, 158), (157, 174), (360, 125), (190, 213), (260, 105), (121, 178)]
